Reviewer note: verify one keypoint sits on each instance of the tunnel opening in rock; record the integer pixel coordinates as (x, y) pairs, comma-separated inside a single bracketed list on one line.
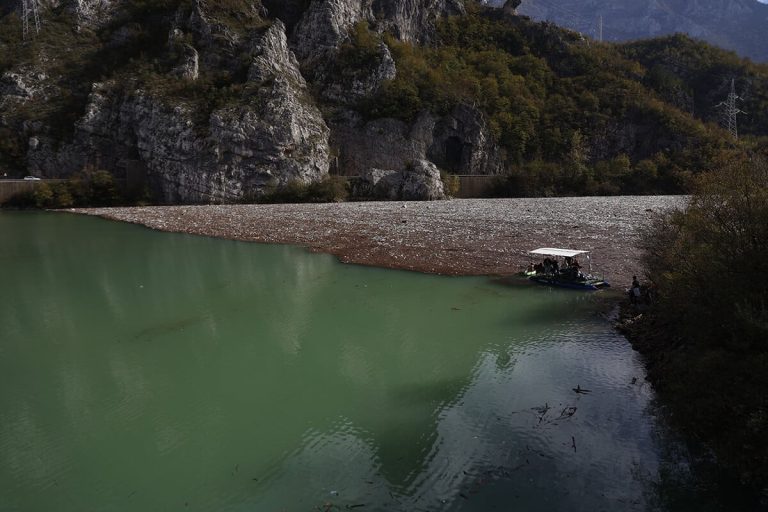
[(454, 154)]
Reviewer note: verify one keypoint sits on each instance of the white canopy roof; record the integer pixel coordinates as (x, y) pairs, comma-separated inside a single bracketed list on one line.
[(550, 251)]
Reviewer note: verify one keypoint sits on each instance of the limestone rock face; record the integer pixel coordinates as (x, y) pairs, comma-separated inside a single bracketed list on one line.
[(93, 12), (277, 137), (87, 13), (275, 59), (459, 142), (21, 85), (326, 24), (419, 181), (223, 111), (380, 143), (413, 20), (349, 86), (188, 67), (462, 143)]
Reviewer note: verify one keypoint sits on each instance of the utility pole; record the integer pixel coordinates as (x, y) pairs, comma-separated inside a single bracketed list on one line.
[(30, 9), (600, 29), (731, 110)]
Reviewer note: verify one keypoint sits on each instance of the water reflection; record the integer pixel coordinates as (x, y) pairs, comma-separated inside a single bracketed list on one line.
[(151, 371)]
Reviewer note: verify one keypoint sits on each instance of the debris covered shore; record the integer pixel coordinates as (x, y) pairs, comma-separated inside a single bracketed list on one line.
[(456, 237)]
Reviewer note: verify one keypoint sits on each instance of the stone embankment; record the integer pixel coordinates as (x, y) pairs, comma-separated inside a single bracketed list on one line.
[(457, 237)]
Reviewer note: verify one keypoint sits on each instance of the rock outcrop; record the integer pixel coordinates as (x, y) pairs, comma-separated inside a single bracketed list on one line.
[(459, 142), (87, 13), (21, 85), (277, 137), (262, 129), (418, 181), (188, 66), (326, 23), (413, 20), (93, 13), (351, 85)]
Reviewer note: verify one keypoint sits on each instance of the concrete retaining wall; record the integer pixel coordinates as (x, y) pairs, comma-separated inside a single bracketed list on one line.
[(473, 186)]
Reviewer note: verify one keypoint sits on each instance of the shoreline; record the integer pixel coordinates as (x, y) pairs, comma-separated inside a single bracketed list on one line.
[(459, 237)]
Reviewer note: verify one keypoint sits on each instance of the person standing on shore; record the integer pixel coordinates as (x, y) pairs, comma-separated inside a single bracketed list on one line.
[(634, 292)]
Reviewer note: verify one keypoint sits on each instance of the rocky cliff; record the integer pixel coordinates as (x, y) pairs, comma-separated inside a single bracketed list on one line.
[(274, 135), (261, 130)]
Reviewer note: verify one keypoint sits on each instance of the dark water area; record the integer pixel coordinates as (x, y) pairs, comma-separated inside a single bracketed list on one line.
[(153, 371)]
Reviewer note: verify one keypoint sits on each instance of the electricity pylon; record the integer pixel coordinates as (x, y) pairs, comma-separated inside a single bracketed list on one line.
[(30, 9), (731, 110), (600, 29)]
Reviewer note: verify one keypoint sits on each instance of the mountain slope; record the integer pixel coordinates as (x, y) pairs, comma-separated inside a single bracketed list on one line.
[(739, 25), (227, 100)]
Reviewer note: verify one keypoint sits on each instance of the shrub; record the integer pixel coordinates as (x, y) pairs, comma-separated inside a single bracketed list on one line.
[(362, 50), (451, 183), (62, 197), (331, 189), (708, 265), (42, 195), (103, 189), (716, 258)]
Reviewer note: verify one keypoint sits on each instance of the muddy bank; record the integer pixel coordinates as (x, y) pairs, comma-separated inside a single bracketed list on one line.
[(457, 237)]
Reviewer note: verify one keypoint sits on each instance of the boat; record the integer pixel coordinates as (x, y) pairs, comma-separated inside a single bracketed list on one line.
[(561, 268)]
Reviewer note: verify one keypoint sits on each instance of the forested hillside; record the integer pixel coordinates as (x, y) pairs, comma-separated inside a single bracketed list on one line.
[(574, 116), (230, 100)]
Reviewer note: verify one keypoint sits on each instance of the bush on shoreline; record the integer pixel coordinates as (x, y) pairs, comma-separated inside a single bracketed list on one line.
[(88, 187), (331, 189), (706, 337)]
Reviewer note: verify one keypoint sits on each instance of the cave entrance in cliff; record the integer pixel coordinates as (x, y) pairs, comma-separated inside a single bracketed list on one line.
[(454, 154), (288, 11)]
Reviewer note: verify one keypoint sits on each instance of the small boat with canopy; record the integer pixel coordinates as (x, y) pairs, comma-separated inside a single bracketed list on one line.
[(561, 267)]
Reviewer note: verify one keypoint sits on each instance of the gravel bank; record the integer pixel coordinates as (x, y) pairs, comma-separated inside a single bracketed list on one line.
[(457, 237)]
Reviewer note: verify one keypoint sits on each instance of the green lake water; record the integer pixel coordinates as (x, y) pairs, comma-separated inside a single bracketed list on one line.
[(151, 371)]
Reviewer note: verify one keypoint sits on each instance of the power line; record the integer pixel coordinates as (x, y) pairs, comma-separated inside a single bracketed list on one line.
[(30, 9)]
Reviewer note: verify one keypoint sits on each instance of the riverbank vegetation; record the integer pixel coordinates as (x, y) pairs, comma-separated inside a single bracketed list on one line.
[(90, 187), (331, 189), (706, 335)]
